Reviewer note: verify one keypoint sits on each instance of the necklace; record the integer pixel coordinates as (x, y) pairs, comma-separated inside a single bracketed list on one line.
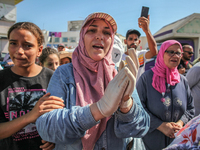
[(168, 89), (163, 93)]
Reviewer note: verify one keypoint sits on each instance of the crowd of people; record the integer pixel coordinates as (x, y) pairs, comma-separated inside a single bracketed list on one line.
[(99, 96)]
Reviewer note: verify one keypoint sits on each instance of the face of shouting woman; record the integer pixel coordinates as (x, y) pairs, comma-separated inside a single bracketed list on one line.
[(98, 40)]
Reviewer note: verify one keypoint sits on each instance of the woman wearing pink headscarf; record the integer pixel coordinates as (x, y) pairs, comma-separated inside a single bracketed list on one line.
[(103, 110), (166, 97)]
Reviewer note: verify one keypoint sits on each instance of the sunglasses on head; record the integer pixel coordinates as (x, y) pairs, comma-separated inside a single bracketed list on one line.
[(189, 52), (172, 53)]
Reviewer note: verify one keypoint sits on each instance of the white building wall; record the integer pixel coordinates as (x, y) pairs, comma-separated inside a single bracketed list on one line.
[(72, 39), (7, 19), (71, 42)]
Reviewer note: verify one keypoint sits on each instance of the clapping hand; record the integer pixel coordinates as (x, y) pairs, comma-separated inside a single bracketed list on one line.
[(133, 65), (119, 90)]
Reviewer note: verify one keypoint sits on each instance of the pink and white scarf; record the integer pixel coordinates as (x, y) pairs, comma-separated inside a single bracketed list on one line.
[(92, 78)]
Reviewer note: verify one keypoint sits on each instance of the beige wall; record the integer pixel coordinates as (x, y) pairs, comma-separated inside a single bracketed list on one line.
[(4, 27)]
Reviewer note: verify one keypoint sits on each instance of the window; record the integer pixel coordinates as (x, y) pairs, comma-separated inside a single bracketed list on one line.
[(57, 39), (64, 39), (72, 39)]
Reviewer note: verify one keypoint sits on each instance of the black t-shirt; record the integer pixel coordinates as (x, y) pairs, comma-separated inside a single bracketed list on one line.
[(18, 96)]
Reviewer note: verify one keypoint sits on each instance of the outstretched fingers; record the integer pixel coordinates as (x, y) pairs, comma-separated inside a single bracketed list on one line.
[(132, 54), (122, 79), (131, 83), (50, 105), (121, 65), (132, 66)]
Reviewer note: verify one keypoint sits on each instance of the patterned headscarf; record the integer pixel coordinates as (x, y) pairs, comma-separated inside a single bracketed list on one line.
[(92, 77), (161, 72)]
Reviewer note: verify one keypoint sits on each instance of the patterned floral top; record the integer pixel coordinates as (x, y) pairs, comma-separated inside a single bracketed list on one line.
[(188, 137)]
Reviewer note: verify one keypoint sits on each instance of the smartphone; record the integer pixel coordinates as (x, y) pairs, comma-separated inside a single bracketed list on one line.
[(145, 12)]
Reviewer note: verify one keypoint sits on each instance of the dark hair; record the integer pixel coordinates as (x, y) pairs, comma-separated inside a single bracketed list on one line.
[(34, 29), (46, 52), (69, 59), (132, 31)]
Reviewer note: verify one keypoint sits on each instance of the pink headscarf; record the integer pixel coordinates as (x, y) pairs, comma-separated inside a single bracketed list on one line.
[(161, 72), (92, 78)]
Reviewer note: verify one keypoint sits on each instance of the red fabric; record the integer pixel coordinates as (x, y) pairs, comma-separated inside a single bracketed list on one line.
[(92, 78), (186, 64)]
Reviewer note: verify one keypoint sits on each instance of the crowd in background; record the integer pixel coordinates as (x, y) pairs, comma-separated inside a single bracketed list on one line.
[(99, 96)]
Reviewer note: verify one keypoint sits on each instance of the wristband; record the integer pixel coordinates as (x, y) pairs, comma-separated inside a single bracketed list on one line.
[(126, 102)]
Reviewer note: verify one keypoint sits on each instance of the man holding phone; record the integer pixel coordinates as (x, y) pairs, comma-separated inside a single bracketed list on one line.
[(132, 41)]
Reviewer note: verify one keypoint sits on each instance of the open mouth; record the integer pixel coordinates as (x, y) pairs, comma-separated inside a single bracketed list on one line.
[(174, 61), (98, 46)]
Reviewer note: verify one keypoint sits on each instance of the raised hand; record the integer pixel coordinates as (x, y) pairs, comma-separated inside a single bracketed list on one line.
[(133, 65), (114, 92), (144, 23)]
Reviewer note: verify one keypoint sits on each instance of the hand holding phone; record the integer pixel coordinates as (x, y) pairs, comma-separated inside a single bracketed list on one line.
[(145, 11)]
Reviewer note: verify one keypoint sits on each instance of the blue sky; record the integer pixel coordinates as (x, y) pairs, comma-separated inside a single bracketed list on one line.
[(53, 15)]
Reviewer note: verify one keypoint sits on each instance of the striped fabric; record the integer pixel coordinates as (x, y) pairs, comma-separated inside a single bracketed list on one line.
[(102, 16)]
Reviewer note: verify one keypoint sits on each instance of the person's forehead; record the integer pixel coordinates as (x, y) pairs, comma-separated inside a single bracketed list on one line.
[(188, 48), (53, 56), (65, 59), (99, 23), (133, 35), (174, 47), (22, 33)]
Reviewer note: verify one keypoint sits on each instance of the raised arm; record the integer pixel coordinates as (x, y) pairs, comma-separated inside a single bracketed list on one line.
[(144, 24)]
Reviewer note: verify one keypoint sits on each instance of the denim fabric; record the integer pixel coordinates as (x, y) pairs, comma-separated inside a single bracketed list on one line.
[(65, 127)]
